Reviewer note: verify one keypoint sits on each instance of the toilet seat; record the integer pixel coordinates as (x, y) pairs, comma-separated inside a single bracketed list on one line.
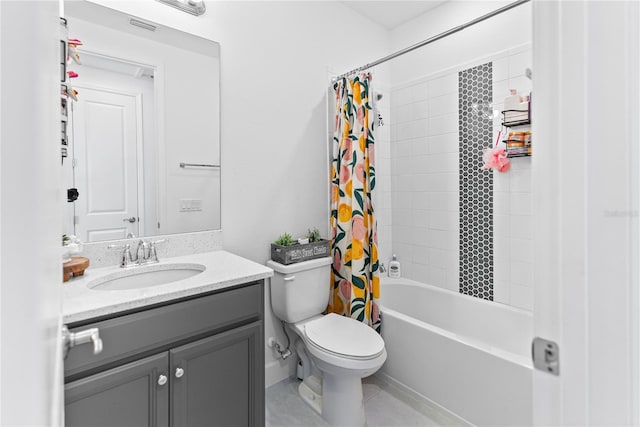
[(344, 337)]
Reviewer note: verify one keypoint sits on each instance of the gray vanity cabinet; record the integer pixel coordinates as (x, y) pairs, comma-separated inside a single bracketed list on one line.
[(214, 379), (125, 396), (196, 362)]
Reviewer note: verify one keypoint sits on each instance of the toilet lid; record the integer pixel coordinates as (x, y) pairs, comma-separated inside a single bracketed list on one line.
[(345, 336)]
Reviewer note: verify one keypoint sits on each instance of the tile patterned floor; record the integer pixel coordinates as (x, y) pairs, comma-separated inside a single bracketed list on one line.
[(385, 404)]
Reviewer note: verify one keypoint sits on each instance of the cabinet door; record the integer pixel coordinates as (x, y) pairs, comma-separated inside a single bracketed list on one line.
[(129, 395), (219, 381)]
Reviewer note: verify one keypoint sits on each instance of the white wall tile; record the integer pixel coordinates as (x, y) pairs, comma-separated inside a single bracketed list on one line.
[(521, 203), (444, 104), (443, 143), (421, 201), (521, 273), (403, 217), (418, 272), (437, 276), (444, 200), (521, 250), (522, 297), (501, 292), (500, 91), (445, 123), (518, 63), (420, 218), (500, 69), (420, 146), (420, 254), (443, 220), (521, 227), (501, 203), (443, 85)]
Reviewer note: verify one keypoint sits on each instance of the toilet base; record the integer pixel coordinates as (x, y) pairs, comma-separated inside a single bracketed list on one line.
[(311, 392), (342, 402)]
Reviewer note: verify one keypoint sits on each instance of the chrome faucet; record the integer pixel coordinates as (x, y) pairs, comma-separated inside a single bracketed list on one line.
[(145, 253), (382, 268)]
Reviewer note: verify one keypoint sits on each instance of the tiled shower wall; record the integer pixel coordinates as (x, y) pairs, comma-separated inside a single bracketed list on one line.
[(422, 223)]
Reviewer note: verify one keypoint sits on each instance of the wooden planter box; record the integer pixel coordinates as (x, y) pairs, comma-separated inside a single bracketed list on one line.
[(299, 252)]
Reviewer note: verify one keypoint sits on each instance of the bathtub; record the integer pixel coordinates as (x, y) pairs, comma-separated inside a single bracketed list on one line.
[(470, 356)]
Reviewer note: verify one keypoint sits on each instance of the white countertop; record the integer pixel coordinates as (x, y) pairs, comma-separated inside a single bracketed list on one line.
[(223, 270)]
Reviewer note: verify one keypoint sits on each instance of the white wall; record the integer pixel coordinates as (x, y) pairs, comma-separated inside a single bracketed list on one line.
[(424, 148), (275, 60)]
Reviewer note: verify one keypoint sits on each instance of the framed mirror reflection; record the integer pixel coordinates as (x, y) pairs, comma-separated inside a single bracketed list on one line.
[(144, 132)]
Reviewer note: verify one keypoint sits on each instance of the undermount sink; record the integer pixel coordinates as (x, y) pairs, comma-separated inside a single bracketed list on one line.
[(145, 276)]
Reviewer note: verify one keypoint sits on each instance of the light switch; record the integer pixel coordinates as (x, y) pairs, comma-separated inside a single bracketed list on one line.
[(190, 205)]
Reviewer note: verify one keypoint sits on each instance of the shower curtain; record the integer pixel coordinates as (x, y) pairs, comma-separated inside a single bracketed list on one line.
[(355, 281)]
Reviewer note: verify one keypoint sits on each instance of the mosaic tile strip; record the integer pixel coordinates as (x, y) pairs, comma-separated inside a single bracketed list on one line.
[(475, 185)]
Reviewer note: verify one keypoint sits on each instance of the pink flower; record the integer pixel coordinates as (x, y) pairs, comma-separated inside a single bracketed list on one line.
[(358, 230), (360, 113), (337, 261), (359, 172), (372, 156), (345, 289), (375, 312), (344, 174), (347, 147), (496, 158)]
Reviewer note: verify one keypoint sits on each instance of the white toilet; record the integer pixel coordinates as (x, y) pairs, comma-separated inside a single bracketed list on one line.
[(342, 349)]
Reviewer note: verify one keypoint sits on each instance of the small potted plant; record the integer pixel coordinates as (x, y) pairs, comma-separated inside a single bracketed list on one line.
[(286, 250)]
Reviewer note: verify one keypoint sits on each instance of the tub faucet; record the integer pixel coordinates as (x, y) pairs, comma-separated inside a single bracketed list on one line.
[(382, 269)]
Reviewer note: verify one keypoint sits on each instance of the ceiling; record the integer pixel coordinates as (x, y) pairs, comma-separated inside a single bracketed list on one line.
[(391, 14)]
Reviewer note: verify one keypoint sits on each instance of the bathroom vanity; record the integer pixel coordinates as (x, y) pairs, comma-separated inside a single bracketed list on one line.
[(186, 353)]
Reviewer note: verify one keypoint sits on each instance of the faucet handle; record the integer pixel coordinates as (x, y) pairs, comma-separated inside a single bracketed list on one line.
[(126, 258), (382, 268), (153, 254)]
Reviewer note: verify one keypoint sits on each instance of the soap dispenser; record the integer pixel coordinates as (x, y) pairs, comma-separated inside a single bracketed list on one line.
[(394, 267)]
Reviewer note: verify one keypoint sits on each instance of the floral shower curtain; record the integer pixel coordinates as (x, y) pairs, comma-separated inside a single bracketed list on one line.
[(355, 281)]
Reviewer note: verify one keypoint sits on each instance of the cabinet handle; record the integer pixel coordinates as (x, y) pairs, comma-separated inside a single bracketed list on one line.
[(162, 380), (179, 372), (289, 278), (72, 339)]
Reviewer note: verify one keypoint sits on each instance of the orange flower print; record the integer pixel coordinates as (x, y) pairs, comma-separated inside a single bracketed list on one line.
[(357, 250), (357, 93), (344, 212)]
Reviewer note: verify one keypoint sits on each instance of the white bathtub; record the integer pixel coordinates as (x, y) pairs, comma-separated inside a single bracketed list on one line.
[(467, 355)]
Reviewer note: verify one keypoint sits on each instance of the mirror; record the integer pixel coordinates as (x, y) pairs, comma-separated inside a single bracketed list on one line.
[(144, 132)]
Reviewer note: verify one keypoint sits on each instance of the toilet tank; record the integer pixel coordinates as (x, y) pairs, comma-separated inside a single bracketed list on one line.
[(300, 290)]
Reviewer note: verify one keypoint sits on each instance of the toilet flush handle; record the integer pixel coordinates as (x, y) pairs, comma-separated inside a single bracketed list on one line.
[(289, 278)]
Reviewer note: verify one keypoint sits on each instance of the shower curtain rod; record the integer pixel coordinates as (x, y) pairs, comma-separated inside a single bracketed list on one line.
[(434, 38)]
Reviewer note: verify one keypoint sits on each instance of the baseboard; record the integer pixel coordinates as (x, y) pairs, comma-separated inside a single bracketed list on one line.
[(279, 370)]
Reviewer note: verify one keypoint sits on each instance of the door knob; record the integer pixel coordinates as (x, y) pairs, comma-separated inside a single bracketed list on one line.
[(131, 220), (72, 339), (162, 380)]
